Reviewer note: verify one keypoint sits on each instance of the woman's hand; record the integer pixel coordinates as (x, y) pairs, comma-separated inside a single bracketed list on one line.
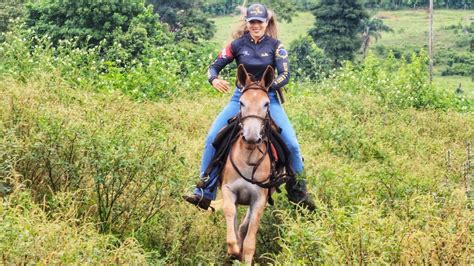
[(221, 85)]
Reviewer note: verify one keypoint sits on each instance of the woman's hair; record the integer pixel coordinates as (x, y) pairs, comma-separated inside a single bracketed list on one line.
[(241, 28)]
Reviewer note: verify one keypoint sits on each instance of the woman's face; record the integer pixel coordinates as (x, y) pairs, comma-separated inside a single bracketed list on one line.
[(256, 28)]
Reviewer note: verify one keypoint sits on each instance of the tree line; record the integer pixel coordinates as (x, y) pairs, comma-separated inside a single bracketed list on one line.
[(226, 7)]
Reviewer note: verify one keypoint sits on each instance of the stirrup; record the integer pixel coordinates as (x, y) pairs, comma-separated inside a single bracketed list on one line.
[(202, 182)]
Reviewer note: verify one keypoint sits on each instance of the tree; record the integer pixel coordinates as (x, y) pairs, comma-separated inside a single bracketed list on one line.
[(284, 9), (335, 30), (371, 29), (185, 19)]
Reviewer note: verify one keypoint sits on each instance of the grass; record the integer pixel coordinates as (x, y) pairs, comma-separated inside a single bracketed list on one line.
[(31, 235), (451, 83), (411, 27)]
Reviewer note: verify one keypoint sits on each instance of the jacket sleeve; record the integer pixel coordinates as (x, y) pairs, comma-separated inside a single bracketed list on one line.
[(225, 57), (282, 67)]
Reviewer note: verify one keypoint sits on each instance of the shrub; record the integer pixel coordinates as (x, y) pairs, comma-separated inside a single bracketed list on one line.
[(9, 11), (163, 72), (460, 64), (124, 30), (398, 84), (109, 159), (307, 61)]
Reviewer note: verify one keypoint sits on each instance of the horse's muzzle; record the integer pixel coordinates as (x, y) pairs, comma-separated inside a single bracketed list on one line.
[(252, 141)]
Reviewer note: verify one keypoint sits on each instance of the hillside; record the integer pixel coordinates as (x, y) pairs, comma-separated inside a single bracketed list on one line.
[(410, 33)]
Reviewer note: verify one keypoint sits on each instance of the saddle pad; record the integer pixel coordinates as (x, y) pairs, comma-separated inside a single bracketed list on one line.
[(274, 152)]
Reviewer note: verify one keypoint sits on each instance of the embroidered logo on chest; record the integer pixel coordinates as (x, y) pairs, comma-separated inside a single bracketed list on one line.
[(246, 53), (264, 54)]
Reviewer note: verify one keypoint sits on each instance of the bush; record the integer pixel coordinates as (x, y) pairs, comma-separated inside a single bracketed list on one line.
[(307, 61), (460, 64), (163, 72), (124, 30), (9, 11), (398, 84)]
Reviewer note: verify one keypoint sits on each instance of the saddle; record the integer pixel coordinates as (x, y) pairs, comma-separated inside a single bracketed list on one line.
[(281, 168)]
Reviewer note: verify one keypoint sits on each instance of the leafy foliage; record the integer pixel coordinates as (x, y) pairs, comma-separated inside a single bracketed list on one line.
[(285, 9), (307, 61), (336, 26), (399, 84), (369, 29), (460, 64), (9, 11), (184, 19), (124, 31)]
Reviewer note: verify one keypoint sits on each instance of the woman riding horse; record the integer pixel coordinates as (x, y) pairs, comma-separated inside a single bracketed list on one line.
[(256, 47)]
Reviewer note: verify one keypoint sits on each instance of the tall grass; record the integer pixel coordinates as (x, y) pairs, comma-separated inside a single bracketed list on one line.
[(32, 235)]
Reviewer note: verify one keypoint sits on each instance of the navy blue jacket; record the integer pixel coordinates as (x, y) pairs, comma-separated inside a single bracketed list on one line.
[(255, 56)]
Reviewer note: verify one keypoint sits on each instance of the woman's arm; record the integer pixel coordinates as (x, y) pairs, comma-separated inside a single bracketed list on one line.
[(282, 67), (225, 57)]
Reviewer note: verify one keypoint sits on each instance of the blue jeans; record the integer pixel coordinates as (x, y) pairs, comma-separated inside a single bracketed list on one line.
[(233, 107)]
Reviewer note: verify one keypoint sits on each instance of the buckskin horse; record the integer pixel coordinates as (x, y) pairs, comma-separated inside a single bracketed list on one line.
[(248, 166)]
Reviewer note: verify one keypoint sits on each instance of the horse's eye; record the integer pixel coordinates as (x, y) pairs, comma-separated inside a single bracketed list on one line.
[(242, 104), (266, 104)]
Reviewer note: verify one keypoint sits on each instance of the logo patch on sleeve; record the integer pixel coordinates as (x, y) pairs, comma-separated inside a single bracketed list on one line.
[(226, 53), (281, 52)]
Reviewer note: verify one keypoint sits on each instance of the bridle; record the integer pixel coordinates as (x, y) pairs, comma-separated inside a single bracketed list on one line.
[(266, 119), (266, 128)]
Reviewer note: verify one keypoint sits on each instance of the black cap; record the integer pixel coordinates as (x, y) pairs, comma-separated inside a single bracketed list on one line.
[(257, 12)]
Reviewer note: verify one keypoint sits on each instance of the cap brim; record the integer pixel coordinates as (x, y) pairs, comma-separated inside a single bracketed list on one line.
[(256, 18)]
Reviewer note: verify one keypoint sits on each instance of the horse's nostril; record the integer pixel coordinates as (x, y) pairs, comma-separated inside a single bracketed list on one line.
[(259, 140)]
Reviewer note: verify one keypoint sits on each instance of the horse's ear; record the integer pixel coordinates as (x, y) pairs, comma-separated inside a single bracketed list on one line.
[(242, 76), (268, 77)]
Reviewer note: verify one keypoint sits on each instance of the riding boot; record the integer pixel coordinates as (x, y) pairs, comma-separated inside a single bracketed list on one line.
[(199, 201), (205, 191), (297, 193)]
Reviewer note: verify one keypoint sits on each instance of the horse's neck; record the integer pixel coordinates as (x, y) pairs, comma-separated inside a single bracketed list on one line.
[(245, 160)]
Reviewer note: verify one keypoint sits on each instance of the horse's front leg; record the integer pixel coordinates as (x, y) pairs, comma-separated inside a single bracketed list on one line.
[(230, 211), (244, 226), (248, 247)]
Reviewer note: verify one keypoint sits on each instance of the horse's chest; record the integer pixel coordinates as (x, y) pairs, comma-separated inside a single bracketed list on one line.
[(245, 191)]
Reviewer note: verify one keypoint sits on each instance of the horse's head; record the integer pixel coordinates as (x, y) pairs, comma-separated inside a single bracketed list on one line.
[(254, 104)]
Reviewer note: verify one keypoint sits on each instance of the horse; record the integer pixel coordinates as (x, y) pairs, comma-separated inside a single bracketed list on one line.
[(248, 167)]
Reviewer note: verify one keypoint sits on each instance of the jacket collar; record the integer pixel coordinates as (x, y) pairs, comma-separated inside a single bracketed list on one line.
[(251, 40)]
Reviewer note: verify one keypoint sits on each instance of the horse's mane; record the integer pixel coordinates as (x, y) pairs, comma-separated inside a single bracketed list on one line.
[(252, 78)]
